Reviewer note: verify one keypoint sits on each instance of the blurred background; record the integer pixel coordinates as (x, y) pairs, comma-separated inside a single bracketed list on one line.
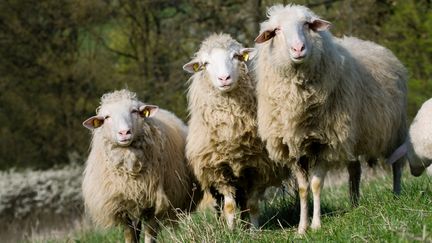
[(57, 57)]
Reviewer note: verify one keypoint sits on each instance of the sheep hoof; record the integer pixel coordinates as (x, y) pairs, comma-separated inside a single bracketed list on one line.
[(301, 230), (316, 225)]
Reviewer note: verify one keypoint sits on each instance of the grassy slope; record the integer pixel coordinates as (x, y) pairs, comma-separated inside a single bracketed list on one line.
[(380, 217)]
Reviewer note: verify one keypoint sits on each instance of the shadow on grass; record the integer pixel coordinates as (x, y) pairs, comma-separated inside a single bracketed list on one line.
[(285, 212)]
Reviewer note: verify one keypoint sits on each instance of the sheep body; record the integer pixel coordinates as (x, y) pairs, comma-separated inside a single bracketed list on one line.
[(420, 140), (223, 146), (345, 99), (146, 180)]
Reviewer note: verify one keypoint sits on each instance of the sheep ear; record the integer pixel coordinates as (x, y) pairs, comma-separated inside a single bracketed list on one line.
[(246, 54), (148, 110), (317, 24), (265, 36), (193, 66), (93, 122)]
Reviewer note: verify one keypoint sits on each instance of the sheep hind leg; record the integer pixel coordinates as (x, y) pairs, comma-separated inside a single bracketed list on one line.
[(150, 231), (253, 207), (229, 210), (397, 175), (354, 171), (132, 231), (303, 184), (317, 182)]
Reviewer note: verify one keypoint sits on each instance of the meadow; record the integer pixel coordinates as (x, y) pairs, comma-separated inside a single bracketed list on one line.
[(380, 217)]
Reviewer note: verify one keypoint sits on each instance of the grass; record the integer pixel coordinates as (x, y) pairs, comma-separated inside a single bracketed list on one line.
[(381, 217)]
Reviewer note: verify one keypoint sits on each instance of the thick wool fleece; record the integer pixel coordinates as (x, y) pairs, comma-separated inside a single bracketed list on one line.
[(150, 178)]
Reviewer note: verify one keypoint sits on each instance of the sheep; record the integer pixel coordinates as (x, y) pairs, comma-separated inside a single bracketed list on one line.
[(223, 146), (326, 102), (136, 169), (419, 142)]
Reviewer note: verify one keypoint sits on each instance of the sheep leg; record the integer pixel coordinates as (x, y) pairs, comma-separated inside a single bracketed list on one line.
[(354, 171), (303, 184), (229, 210), (252, 205), (397, 174), (132, 231), (317, 182), (128, 234), (150, 231)]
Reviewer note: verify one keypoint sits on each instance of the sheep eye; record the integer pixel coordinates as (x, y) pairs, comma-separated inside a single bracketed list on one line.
[(134, 111), (106, 117)]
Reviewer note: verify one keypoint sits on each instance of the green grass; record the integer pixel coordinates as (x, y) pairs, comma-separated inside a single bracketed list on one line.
[(381, 217)]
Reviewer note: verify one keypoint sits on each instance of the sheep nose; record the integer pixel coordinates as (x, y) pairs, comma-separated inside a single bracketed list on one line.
[(224, 78), (125, 132), (298, 47)]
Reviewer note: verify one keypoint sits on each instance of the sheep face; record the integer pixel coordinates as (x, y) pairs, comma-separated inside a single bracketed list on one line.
[(222, 66), (121, 121), (289, 30)]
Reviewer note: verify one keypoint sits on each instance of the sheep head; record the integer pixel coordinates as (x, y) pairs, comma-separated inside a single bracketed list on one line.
[(221, 57), (290, 29), (121, 120)]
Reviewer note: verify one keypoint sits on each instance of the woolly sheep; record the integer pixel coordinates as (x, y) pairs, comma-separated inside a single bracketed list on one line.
[(323, 101), (419, 144), (136, 169), (223, 146)]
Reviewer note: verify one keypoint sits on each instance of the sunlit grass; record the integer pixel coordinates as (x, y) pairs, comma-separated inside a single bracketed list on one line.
[(380, 217)]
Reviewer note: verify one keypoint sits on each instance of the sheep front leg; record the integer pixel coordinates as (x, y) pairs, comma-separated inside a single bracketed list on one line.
[(229, 210), (132, 231), (354, 171), (317, 182), (150, 231), (128, 234), (303, 184)]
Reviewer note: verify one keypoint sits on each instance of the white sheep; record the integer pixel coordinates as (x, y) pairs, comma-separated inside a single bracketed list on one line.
[(419, 144), (223, 146), (324, 102), (136, 169)]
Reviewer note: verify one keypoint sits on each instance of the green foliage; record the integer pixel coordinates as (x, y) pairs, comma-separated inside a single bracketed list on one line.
[(408, 33)]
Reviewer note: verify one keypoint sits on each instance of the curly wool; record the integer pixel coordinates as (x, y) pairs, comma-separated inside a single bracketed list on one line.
[(223, 145), (149, 178), (222, 41)]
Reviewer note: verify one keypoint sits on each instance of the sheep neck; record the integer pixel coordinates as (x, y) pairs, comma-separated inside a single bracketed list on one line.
[(131, 159), (225, 113)]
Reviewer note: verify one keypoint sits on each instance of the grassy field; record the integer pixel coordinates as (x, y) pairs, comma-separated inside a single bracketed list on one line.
[(381, 217)]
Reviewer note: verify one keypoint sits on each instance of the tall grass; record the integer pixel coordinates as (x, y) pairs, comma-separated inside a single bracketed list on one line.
[(381, 217)]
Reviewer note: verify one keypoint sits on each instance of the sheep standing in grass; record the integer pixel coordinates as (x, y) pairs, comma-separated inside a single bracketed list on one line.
[(325, 101), (136, 169), (223, 146)]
